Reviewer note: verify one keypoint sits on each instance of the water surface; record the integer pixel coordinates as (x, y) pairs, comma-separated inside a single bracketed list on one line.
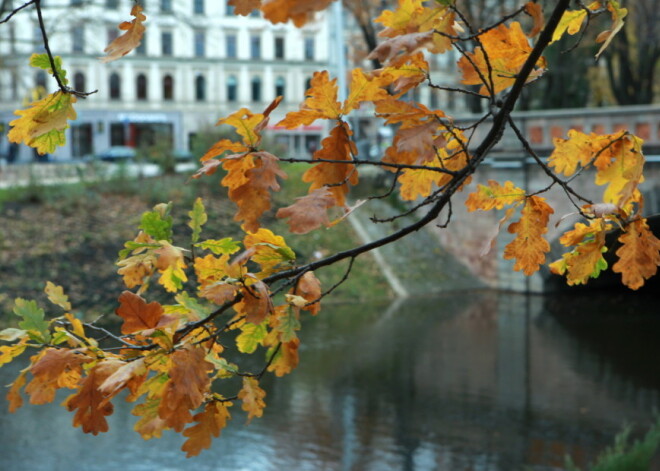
[(461, 382)]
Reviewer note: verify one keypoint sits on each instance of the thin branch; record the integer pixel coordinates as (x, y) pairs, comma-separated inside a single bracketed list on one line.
[(16, 10), (368, 162)]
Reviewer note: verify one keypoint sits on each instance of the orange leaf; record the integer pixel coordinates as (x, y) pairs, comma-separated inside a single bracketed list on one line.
[(219, 293), (286, 359), (91, 404), (586, 260), (137, 314), (269, 251), (128, 41), (187, 385), (244, 7), (535, 10), (209, 424), (363, 88), (321, 103), (14, 394), (398, 49), (52, 369), (339, 147), (639, 256), (150, 425), (128, 375), (309, 287), (253, 397), (256, 303), (529, 247), (298, 11)]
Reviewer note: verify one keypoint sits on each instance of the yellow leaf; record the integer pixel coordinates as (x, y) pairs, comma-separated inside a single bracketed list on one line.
[(639, 255), (618, 14), (253, 398), (570, 22), (494, 196), (363, 88), (270, 250), (529, 247), (321, 103), (170, 264), (133, 32), (42, 125), (586, 260), (56, 296), (52, 369), (150, 424), (623, 173)]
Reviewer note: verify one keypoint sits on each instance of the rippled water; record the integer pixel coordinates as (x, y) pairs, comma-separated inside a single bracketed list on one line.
[(462, 382)]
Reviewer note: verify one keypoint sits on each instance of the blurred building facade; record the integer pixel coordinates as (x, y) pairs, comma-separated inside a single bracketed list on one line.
[(198, 62)]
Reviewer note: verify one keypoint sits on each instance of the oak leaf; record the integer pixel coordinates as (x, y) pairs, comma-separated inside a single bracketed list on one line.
[(308, 212), (244, 7), (529, 247), (150, 425), (42, 125), (129, 375), (309, 287), (586, 260), (137, 314), (198, 218), (170, 264), (56, 296), (52, 369), (251, 337), (494, 196), (209, 424), (298, 11), (90, 404), (395, 51), (639, 254), (256, 304), (132, 37), (253, 398), (270, 251), (362, 88), (14, 394), (286, 359), (321, 103), (535, 10), (188, 383), (618, 14)]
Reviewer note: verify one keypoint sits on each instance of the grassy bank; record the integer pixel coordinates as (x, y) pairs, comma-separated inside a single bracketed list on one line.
[(70, 235)]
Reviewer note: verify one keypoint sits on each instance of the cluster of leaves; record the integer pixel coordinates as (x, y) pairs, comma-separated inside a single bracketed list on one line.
[(250, 294)]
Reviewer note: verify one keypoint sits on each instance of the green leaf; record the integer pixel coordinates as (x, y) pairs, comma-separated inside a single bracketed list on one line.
[(33, 319), (288, 325), (198, 218), (158, 224), (251, 337), (192, 305), (132, 245), (223, 367), (286, 253), (41, 61), (226, 246)]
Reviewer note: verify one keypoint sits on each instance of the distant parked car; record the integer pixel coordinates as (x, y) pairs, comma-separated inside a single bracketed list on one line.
[(118, 154)]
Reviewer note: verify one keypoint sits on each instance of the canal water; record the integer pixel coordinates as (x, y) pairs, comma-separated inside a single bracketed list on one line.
[(469, 381)]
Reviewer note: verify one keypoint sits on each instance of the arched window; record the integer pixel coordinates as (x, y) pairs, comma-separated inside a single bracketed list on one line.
[(115, 86), (200, 88), (79, 81), (168, 88), (280, 86), (232, 88), (256, 88), (40, 79), (141, 87)]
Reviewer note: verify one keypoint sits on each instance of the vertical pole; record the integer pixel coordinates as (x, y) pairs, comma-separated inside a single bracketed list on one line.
[(340, 53)]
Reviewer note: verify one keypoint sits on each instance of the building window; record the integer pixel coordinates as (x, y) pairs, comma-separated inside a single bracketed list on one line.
[(110, 4), (76, 3), (78, 39), (256, 88), (79, 81), (231, 46), (200, 88), (38, 39), (309, 49), (280, 86), (40, 79), (255, 47), (198, 7), (115, 86), (229, 11), (166, 43), (255, 13), (232, 88), (113, 33), (168, 88), (200, 43), (279, 48), (166, 6), (308, 84), (141, 87)]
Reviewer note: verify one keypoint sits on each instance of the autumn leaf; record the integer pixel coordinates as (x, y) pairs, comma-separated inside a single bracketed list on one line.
[(89, 403), (42, 61), (256, 304), (270, 251), (286, 321), (226, 246), (363, 88), (402, 77), (529, 247), (396, 50), (187, 385), (251, 337), (14, 394), (639, 254), (618, 14), (244, 7), (150, 425), (198, 218), (507, 49), (308, 212), (338, 146), (586, 260), (253, 398), (133, 32), (535, 10), (298, 11), (54, 368), (158, 223), (570, 22), (137, 314), (56, 296), (209, 424), (42, 125), (494, 196), (309, 287), (219, 292), (621, 169), (9, 352), (286, 358), (128, 375), (321, 103), (170, 264)]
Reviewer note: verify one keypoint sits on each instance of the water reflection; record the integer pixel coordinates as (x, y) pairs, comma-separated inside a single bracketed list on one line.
[(461, 382)]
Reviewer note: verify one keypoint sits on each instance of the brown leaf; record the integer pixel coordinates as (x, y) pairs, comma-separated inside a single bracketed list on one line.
[(52, 369), (134, 30), (399, 48), (256, 303), (309, 287), (309, 212), (189, 382), (209, 424), (244, 7), (137, 314)]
